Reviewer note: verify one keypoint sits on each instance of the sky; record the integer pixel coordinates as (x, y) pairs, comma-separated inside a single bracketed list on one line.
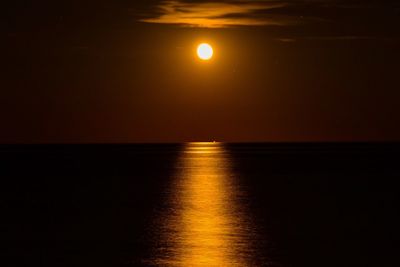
[(126, 71)]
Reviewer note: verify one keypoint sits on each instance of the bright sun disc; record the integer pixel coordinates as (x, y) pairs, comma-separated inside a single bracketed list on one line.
[(205, 51)]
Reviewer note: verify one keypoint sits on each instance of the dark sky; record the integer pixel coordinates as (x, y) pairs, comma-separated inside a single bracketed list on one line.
[(126, 71)]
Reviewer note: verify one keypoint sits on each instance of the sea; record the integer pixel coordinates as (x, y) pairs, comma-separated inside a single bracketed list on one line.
[(200, 204)]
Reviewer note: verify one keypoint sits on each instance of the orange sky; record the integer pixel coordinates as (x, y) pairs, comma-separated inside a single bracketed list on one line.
[(127, 72)]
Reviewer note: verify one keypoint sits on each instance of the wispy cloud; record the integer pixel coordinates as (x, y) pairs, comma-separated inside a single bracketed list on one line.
[(342, 38), (332, 38), (217, 14), (326, 20)]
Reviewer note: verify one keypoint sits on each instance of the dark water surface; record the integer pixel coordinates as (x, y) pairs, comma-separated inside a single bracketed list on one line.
[(200, 204)]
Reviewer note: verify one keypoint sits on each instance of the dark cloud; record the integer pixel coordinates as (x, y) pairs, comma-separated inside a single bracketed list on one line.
[(326, 17), (216, 14)]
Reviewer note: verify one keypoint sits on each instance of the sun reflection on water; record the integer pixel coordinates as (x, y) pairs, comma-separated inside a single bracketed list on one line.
[(203, 222)]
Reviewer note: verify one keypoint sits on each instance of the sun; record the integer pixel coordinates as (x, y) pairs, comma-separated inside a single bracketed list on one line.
[(205, 51)]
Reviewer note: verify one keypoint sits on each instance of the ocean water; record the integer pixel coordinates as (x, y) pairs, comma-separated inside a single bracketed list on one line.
[(204, 219), (200, 204)]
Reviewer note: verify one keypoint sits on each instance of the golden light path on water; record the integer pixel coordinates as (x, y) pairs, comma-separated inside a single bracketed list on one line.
[(204, 222)]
